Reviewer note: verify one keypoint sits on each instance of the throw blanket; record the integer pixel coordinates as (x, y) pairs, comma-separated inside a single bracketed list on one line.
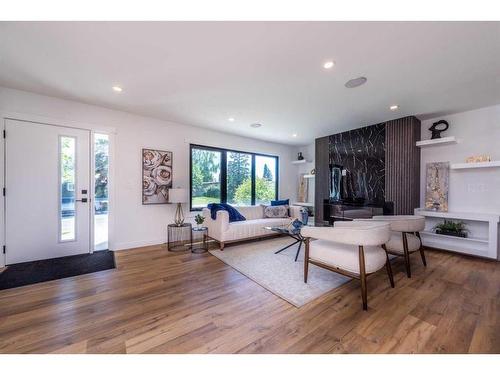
[(234, 215)]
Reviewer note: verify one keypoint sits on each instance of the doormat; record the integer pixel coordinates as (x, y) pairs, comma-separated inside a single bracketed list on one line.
[(57, 268)]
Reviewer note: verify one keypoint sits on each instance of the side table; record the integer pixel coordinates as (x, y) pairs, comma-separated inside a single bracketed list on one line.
[(199, 240), (178, 236)]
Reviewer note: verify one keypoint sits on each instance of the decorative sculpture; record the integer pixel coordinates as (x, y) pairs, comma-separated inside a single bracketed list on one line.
[(478, 159), (436, 132), (299, 156)]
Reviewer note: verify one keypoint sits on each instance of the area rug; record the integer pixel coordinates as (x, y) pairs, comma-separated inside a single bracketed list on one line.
[(278, 273), (57, 268)]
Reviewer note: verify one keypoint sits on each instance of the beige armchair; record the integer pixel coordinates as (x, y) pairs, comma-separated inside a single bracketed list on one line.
[(352, 249), (405, 236)]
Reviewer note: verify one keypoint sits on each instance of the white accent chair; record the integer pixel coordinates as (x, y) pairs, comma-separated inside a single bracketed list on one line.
[(352, 249), (405, 236)]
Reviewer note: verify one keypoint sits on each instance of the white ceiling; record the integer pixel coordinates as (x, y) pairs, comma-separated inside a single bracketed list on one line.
[(202, 73)]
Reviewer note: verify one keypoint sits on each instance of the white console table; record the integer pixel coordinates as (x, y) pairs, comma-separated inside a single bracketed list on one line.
[(483, 236)]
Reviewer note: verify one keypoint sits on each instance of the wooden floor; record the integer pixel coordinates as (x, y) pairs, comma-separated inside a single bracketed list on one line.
[(160, 302)]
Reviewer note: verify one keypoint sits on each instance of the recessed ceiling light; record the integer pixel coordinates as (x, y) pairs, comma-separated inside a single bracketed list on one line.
[(117, 89), (294, 135), (256, 125), (230, 119), (355, 82), (328, 65), (394, 107)]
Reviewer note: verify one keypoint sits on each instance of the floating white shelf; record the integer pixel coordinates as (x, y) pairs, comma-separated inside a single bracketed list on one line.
[(437, 142), (484, 164), (473, 239), (309, 176), (483, 239), (300, 161), (305, 204), (458, 215)]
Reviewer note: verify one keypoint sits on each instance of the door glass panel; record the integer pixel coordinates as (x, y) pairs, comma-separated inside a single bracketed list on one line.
[(205, 177), (67, 161), (239, 178), (101, 201), (265, 179)]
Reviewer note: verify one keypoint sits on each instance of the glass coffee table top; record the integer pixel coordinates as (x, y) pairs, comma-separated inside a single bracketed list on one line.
[(292, 232)]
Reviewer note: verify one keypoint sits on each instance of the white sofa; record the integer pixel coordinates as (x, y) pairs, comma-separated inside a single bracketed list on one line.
[(223, 231)]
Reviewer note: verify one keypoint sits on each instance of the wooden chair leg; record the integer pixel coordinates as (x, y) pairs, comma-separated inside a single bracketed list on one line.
[(421, 249), (306, 260), (388, 267), (406, 255), (362, 276)]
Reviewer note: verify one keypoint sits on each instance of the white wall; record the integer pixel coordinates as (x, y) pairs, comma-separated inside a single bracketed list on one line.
[(136, 224), (478, 133)]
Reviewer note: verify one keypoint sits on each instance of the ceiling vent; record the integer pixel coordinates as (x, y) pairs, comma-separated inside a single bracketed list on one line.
[(355, 82)]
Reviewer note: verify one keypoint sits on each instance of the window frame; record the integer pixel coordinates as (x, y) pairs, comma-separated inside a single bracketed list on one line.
[(223, 172)]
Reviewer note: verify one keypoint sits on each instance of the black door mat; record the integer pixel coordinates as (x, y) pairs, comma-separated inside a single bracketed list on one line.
[(57, 268)]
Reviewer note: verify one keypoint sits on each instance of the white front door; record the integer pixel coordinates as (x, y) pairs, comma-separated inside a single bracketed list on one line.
[(47, 197)]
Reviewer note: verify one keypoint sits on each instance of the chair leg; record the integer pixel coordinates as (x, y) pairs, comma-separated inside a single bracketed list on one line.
[(362, 277), (221, 246), (421, 249), (306, 259), (388, 267), (406, 255)]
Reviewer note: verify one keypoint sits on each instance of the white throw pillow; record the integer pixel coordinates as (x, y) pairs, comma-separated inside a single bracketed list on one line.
[(276, 211)]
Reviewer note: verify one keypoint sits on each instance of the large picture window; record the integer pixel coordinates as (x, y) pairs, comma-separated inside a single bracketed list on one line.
[(234, 177)]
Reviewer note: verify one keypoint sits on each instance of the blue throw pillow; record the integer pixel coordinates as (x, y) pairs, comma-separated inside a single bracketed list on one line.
[(283, 202)]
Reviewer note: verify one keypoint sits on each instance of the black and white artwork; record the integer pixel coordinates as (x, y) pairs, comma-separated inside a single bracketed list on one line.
[(156, 176), (359, 156)]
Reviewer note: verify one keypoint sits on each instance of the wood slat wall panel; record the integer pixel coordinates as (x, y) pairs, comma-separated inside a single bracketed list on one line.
[(321, 189), (402, 158)]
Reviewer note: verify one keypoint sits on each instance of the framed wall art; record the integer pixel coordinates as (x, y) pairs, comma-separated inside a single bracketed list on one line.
[(156, 176), (437, 186)]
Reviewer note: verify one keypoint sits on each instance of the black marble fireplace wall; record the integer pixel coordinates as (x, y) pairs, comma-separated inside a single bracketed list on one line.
[(381, 162), (361, 155)]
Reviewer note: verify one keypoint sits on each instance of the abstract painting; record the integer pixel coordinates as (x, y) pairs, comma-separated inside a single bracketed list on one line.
[(437, 186), (156, 176), (303, 188)]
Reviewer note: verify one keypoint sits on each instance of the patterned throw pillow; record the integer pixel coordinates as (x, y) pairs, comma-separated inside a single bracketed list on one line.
[(276, 211)]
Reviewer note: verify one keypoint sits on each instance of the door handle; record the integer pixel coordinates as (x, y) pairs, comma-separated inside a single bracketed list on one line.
[(83, 200)]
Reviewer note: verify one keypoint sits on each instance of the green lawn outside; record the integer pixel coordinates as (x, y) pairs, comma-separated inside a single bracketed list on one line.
[(203, 201)]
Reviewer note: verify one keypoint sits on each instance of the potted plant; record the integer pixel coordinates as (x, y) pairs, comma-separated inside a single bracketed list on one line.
[(199, 220), (452, 228)]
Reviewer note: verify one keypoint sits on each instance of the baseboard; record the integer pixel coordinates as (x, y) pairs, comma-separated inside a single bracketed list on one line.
[(134, 244)]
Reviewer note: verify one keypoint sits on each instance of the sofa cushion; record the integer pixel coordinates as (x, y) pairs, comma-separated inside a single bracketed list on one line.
[(346, 257), (251, 212), (275, 211), (252, 228)]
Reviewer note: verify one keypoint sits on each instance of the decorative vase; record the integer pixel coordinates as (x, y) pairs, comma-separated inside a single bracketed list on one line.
[(296, 224), (299, 156), (304, 213)]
